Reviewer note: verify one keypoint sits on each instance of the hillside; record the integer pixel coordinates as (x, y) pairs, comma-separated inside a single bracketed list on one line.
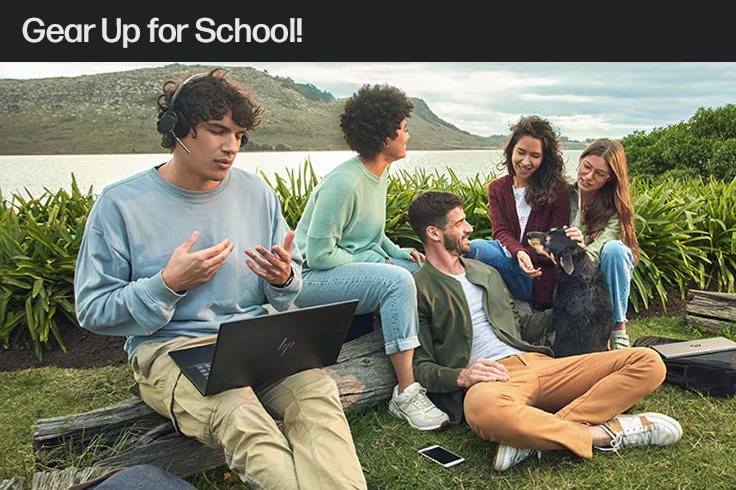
[(116, 113)]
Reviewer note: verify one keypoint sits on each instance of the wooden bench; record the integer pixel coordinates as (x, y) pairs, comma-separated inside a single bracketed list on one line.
[(711, 310), (130, 433)]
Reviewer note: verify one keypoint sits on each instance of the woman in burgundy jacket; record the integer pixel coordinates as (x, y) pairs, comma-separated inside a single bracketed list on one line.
[(532, 197)]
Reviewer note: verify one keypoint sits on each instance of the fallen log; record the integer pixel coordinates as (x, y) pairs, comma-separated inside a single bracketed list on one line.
[(711, 310), (131, 433)]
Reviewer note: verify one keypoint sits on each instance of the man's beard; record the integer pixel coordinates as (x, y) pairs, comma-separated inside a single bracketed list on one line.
[(456, 247)]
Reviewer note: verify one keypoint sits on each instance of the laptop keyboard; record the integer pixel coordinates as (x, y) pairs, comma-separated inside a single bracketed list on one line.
[(204, 368)]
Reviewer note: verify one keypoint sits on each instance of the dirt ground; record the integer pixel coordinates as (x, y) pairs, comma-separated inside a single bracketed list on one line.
[(84, 349)]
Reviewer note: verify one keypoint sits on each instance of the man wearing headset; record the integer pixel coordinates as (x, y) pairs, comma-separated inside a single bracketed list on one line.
[(156, 265)]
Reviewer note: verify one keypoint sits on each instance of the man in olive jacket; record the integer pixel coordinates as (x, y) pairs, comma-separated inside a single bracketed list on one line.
[(477, 359)]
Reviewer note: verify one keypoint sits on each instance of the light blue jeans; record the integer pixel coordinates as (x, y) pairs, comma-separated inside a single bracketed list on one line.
[(616, 264), (388, 288), (491, 252)]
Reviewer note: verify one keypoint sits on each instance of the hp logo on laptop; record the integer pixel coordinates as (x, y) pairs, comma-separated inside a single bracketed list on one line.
[(285, 346)]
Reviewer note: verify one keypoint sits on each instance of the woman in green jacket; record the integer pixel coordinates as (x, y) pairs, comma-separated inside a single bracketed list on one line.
[(602, 219)]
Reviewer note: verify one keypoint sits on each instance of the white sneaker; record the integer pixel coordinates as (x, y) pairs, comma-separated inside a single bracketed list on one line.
[(619, 340), (413, 406), (642, 429), (508, 456)]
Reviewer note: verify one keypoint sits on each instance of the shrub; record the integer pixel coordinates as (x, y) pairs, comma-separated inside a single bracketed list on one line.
[(39, 242), (686, 230), (704, 145)]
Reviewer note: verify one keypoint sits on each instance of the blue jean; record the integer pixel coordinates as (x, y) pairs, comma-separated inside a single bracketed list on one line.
[(388, 288), (142, 476), (491, 252), (617, 266)]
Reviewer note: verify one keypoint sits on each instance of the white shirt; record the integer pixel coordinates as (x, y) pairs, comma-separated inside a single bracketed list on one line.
[(523, 210), (486, 344)]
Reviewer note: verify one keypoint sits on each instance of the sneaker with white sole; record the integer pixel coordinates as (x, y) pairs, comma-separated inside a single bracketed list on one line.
[(508, 456), (619, 340), (415, 407), (643, 429)]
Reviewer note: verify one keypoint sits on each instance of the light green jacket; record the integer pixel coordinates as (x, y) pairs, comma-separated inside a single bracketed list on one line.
[(609, 232)]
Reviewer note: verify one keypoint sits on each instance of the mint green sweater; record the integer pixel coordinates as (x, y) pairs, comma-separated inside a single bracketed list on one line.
[(345, 219)]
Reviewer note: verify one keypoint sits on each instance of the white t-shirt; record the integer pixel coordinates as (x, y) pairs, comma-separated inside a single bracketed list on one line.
[(486, 344), (523, 210)]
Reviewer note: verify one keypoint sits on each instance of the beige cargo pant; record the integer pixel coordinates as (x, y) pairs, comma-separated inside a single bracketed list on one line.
[(314, 451)]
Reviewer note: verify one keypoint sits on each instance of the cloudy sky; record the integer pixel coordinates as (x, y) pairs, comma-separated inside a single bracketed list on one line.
[(582, 99)]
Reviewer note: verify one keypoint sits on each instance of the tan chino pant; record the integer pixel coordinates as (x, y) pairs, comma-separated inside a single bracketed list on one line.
[(315, 450), (549, 403)]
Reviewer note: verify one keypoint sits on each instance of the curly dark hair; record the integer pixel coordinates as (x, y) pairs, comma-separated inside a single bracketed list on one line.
[(541, 190), (372, 115), (208, 97)]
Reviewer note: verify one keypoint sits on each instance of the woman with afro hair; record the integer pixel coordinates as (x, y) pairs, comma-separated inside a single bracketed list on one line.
[(347, 254)]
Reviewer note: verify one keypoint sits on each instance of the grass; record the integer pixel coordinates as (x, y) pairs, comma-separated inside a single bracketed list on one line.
[(31, 394), (387, 447)]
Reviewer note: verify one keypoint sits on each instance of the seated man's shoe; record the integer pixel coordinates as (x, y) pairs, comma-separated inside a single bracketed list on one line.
[(415, 407), (508, 456), (642, 429), (619, 340)]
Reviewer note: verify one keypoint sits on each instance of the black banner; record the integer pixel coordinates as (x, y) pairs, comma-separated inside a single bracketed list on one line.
[(363, 32)]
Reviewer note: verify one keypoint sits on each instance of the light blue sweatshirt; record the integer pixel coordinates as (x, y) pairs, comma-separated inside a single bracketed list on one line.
[(133, 229), (345, 218)]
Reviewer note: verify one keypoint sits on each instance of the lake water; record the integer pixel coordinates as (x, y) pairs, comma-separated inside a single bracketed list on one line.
[(36, 172)]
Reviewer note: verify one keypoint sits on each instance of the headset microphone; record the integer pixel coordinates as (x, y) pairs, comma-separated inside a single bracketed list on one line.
[(179, 141)]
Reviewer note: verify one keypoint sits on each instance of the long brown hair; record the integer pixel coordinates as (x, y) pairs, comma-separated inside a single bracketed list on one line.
[(613, 197), (542, 188)]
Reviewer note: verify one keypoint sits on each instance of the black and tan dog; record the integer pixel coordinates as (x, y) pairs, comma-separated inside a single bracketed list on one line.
[(582, 315)]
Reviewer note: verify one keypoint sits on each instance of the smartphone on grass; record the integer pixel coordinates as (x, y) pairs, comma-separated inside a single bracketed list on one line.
[(441, 456)]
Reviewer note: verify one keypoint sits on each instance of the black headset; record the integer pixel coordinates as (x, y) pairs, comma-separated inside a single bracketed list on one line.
[(173, 121)]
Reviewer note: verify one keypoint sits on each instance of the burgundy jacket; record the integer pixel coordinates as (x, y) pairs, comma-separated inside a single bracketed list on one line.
[(506, 229)]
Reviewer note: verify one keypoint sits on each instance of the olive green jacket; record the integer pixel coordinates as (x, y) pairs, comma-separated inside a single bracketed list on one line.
[(446, 330), (608, 233)]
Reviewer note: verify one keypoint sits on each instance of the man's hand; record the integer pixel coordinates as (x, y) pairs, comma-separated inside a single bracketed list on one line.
[(482, 370), (275, 267), (575, 234), (416, 256), (186, 271), (525, 263)]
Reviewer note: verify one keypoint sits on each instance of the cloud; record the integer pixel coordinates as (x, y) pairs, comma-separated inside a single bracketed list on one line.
[(584, 100)]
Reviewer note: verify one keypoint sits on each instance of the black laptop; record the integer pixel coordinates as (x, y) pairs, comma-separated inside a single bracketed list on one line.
[(262, 349)]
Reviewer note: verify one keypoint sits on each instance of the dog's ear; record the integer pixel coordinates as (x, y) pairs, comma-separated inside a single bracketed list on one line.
[(566, 262)]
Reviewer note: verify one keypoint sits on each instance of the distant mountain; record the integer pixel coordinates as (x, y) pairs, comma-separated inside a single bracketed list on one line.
[(116, 113)]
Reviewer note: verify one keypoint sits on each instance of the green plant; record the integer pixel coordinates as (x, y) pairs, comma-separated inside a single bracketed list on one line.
[(719, 222), (39, 242), (672, 243), (293, 191)]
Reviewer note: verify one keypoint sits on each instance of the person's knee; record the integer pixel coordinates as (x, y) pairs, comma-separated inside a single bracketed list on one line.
[(475, 246), (401, 280), (488, 251), (651, 362), (616, 251), (490, 413)]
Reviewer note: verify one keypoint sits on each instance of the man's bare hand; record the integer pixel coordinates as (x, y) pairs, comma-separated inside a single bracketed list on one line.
[(275, 266), (186, 270), (482, 370), (525, 263)]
